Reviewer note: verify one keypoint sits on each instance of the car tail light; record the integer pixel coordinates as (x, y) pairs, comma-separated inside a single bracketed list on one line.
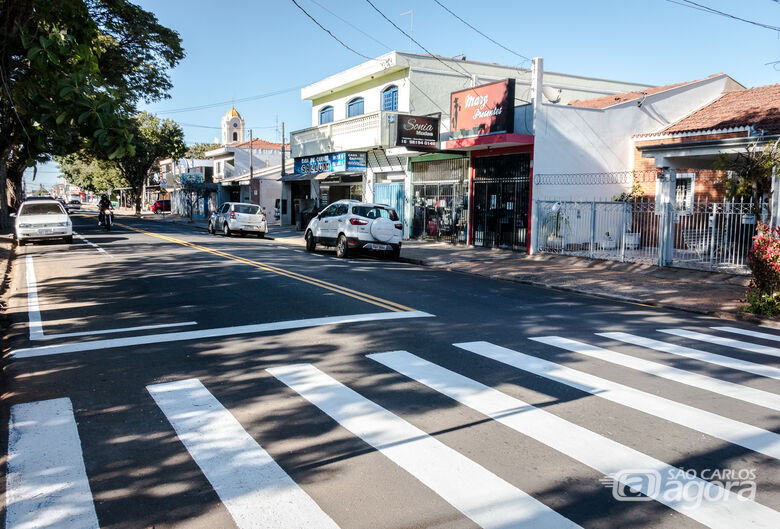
[(263, 216), (357, 222), (233, 215), (399, 226)]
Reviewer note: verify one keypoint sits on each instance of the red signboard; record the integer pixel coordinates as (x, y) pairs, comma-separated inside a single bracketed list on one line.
[(486, 109)]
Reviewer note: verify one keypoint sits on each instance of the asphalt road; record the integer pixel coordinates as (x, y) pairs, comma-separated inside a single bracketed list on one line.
[(161, 377)]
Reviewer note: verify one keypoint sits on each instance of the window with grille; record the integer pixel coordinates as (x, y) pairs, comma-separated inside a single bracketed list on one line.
[(683, 192), (390, 98)]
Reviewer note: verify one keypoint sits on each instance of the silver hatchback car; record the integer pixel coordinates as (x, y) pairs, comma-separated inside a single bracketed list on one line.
[(237, 217)]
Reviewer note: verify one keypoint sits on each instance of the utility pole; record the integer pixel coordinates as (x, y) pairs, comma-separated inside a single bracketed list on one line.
[(282, 148), (251, 166)]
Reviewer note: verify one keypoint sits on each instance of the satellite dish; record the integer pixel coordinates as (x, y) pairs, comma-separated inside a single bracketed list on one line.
[(553, 95)]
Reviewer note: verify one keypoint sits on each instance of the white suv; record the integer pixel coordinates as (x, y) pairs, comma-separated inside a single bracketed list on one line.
[(351, 225)]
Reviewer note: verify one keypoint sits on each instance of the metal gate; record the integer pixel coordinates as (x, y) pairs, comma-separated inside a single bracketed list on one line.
[(501, 193), (392, 195), (440, 191)]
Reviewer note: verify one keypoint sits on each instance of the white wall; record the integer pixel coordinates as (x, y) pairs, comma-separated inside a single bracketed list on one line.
[(370, 91), (574, 140)]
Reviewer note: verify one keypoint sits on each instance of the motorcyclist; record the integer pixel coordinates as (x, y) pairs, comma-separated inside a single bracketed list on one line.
[(104, 204)]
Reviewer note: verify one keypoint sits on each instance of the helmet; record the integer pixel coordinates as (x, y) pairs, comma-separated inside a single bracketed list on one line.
[(104, 196)]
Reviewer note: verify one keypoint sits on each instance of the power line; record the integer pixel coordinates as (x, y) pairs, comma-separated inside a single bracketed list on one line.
[(713, 11), (329, 33), (447, 9), (347, 22), (230, 101), (462, 72)]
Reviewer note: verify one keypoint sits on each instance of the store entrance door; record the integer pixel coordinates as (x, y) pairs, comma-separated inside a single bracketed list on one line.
[(501, 193)]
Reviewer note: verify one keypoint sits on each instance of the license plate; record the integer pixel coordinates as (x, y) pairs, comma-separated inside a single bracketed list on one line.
[(373, 246), (248, 227), (44, 231)]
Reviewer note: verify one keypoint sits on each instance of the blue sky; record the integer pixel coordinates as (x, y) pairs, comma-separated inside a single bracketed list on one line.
[(244, 48)]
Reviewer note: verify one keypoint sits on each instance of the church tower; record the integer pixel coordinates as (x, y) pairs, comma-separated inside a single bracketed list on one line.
[(232, 127)]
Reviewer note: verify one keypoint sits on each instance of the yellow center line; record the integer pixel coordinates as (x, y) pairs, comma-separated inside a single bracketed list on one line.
[(362, 296)]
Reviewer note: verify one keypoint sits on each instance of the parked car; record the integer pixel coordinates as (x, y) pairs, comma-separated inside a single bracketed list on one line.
[(63, 204), (237, 217), (42, 219), (74, 204), (160, 206), (350, 225)]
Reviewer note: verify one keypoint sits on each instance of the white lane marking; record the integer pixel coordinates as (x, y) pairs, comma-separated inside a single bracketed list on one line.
[(256, 491), (722, 387), (113, 331), (33, 309), (212, 333), (484, 497), (739, 433), (712, 358), (719, 507), (95, 246), (727, 342), (745, 332), (47, 485)]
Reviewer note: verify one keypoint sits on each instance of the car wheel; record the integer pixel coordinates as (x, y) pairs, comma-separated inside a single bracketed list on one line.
[(211, 229), (311, 244), (225, 230), (342, 250), (395, 253), (68, 239)]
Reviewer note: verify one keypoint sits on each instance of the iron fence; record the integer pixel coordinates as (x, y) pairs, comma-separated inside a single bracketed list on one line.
[(715, 236)]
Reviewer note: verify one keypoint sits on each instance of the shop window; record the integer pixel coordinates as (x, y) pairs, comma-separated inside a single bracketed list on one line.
[(355, 107), (326, 115), (390, 98)]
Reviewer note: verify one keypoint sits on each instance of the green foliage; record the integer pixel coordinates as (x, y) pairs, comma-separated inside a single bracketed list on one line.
[(91, 174), (198, 150), (763, 295), (751, 170), (627, 196)]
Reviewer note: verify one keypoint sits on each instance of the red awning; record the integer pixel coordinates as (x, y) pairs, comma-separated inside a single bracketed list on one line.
[(491, 141)]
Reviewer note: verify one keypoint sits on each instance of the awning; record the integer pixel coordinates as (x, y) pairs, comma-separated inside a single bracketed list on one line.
[(488, 141)]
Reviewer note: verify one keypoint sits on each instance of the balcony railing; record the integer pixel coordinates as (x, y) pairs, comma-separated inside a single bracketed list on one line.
[(377, 129)]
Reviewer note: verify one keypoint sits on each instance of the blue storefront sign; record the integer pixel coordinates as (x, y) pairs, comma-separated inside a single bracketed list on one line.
[(334, 162)]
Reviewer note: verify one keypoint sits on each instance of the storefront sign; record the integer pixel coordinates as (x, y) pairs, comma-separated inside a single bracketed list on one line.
[(417, 131), (335, 162), (486, 109), (191, 178)]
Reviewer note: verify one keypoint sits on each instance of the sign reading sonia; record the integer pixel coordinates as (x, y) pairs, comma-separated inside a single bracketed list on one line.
[(335, 162), (417, 131), (486, 109)]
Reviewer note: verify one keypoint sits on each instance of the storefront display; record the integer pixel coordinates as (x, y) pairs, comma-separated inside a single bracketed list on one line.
[(440, 199)]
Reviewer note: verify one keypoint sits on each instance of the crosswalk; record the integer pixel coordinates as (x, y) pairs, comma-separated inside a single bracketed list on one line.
[(48, 486)]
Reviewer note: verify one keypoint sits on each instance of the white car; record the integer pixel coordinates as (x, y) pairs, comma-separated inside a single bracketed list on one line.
[(351, 225), (43, 219), (237, 217)]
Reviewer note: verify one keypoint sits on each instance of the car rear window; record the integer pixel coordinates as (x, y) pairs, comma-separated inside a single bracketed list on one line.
[(244, 208), (374, 212), (42, 209)]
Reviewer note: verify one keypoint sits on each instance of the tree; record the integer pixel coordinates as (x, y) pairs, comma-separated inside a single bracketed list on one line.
[(155, 139), (750, 171), (71, 72), (91, 174), (198, 150)]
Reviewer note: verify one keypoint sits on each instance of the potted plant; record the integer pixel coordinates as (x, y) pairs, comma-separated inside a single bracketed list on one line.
[(631, 240), (554, 224)]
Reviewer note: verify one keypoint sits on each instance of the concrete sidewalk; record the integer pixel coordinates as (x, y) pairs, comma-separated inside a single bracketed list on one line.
[(695, 291)]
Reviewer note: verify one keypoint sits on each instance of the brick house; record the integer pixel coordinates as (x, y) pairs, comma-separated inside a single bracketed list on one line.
[(738, 118)]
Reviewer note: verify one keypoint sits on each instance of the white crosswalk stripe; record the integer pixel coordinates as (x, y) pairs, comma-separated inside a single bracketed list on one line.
[(712, 358), (735, 391), (746, 332), (252, 486), (735, 432), (727, 342), (46, 484), (720, 508), (484, 497)]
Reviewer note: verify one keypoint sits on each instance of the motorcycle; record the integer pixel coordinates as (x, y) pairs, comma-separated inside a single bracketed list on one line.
[(106, 219)]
